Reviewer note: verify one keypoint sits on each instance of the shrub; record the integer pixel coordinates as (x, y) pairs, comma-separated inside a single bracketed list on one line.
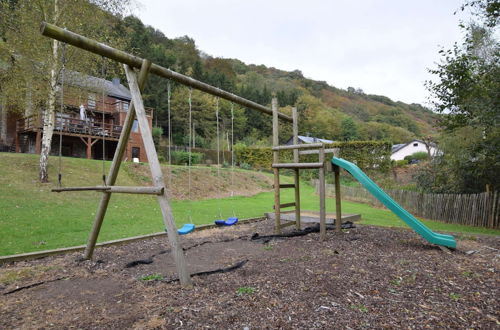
[(400, 163), (182, 157), (366, 154), (421, 155)]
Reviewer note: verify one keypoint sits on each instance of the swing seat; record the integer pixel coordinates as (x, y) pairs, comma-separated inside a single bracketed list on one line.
[(186, 229), (229, 222)]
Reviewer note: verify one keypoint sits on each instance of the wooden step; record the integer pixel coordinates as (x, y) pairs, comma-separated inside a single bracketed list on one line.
[(287, 185), (287, 224), (282, 206), (298, 165)]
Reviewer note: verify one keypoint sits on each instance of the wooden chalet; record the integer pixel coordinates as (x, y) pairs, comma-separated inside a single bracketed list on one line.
[(93, 114)]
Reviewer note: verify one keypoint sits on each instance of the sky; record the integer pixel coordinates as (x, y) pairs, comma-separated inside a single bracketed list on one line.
[(384, 47)]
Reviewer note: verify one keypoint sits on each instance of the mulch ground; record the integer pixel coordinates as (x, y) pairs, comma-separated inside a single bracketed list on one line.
[(366, 277)]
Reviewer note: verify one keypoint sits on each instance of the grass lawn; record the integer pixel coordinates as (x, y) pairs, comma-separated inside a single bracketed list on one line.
[(32, 218)]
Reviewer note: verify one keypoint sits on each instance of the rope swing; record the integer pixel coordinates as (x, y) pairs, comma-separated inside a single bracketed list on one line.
[(63, 70)]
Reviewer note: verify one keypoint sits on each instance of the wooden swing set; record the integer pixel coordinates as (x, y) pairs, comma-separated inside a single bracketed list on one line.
[(137, 111)]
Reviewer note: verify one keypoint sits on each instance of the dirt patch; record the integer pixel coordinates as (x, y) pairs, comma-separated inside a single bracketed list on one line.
[(364, 277), (206, 182)]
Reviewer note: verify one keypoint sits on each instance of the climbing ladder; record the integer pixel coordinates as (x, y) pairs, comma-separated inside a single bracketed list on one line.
[(296, 166)]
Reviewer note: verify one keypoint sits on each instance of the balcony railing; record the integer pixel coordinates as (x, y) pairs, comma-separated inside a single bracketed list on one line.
[(74, 100), (72, 126)]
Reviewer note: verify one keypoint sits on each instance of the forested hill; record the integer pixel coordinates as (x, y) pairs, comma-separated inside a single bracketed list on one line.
[(325, 111)]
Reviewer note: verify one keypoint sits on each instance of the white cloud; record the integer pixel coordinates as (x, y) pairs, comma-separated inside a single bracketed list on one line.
[(383, 47)]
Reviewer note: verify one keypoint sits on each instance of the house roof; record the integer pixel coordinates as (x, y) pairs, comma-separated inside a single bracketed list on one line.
[(397, 147), (309, 139), (112, 88)]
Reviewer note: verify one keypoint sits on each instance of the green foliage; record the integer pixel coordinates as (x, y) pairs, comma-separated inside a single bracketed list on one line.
[(468, 95), (157, 132), (349, 129), (366, 154), (401, 162), (421, 155), (245, 290), (469, 162), (182, 157), (152, 277)]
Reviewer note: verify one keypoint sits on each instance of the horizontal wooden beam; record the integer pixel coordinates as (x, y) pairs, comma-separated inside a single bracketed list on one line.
[(74, 39), (299, 146), (285, 205), (286, 185), (298, 165), (116, 189), (333, 151)]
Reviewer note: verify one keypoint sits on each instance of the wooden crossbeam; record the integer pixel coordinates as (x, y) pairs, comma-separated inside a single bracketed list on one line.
[(298, 165), (285, 205), (298, 146), (286, 185), (116, 189)]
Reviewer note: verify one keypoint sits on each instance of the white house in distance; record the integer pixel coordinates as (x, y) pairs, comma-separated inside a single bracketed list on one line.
[(309, 139), (400, 151)]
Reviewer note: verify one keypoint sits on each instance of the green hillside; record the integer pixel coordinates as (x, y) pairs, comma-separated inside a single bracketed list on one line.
[(324, 111)]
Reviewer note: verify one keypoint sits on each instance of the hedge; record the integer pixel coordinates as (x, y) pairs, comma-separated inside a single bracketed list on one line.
[(365, 154)]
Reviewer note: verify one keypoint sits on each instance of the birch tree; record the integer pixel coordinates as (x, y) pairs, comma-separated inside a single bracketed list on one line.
[(34, 62)]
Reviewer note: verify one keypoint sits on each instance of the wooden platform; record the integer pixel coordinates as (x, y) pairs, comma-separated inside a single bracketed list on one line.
[(312, 217)]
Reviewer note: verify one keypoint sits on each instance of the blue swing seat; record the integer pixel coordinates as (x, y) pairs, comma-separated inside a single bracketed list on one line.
[(186, 229), (229, 222)]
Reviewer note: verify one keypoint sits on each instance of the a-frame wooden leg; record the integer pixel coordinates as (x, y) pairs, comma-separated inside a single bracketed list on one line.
[(113, 171), (338, 200), (158, 181)]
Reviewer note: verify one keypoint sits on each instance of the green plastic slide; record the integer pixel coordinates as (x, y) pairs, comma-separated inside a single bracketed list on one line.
[(420, 228)]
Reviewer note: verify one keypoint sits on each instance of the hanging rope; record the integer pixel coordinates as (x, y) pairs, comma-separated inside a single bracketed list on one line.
[(218, 149), (63, 69), (103, 68), (189, 151), (169, 136), (232, 157)]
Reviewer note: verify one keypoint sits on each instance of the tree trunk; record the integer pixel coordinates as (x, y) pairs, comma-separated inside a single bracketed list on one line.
[(49, 117)]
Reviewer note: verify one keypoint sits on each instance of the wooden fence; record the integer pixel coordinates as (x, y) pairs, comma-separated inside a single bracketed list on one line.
[(480, 210)]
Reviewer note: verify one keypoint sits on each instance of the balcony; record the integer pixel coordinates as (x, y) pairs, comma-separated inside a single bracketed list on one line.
[(73, 100), (71, 126)]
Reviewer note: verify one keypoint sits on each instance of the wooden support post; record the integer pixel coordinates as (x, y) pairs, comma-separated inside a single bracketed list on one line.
[(276, 158), (89, 147), (158, 181), (115, 167), (18, 147), (322, 206), (38, 142), (338, 201), (296, 177)]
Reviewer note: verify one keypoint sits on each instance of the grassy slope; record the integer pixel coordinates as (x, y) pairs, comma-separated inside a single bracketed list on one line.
[(32, 218)]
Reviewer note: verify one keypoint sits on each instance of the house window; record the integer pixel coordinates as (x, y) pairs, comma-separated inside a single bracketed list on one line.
[(135, 126), (136, 151), (91, 101), (415, 144)]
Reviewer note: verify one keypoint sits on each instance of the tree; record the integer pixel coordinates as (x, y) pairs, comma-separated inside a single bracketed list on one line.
[(467, 95), (348, 129), (34, 72)]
